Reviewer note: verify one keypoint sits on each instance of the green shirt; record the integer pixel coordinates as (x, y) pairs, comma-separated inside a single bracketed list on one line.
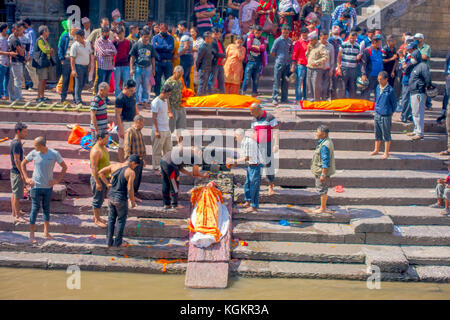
[(425, 50), (176, 95)]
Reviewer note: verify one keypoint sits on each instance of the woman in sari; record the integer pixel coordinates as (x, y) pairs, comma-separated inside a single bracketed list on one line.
[(233, 66), (266, 8), (197, 41)]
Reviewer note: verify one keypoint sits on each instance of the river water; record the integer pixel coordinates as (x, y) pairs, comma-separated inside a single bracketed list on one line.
[(51, 284)]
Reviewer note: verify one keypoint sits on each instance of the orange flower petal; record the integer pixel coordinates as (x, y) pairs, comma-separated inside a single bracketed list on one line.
[(125, 256), (112, 259), (148, 246)]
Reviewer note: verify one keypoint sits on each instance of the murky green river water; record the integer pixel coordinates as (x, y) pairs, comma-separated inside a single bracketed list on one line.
[(51, 284)]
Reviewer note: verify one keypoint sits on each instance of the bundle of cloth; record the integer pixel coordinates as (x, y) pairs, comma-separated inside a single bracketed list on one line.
[(226, 101), (210, 218), (340, 105)]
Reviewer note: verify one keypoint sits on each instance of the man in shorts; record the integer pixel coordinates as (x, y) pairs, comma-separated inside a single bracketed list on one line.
[(16, 174)]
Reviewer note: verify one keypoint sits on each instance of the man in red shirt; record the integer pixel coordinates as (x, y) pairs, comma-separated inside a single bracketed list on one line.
[(122, 60), (299, 63), (218, 73)]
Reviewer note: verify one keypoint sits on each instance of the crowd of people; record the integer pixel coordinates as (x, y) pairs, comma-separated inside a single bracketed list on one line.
[(315, 46)]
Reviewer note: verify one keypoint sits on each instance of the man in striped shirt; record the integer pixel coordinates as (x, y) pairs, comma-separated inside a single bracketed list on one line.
[(105, 51), (347, 63), (204, 11), (99, 112)]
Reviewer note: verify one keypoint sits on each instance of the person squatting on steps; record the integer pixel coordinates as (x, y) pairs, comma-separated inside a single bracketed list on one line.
[(323, 166), (42, 182), (443, 193), (120, 188), (99, 158)]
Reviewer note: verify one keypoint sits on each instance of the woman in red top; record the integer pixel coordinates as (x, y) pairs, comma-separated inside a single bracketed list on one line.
[(266, 8)]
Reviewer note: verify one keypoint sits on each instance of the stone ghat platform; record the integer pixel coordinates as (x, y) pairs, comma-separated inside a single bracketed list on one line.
[(381, 219)]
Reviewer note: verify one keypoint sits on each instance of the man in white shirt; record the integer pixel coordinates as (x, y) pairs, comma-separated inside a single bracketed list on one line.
[(161, 136), (80, 62)]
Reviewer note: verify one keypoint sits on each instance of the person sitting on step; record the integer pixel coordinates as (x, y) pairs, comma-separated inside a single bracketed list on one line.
[(443, 193)]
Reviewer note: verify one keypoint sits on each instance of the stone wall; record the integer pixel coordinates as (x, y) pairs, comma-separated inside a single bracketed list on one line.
[(430, 17), (48, 12)]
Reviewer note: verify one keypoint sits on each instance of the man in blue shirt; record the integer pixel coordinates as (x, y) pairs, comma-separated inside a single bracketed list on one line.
[(372, 65), (31, 35), (164, 44), (348, 7), (42, 182), (385, 105), (282, 51)]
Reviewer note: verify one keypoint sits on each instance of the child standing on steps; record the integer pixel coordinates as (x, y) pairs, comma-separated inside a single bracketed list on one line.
[(443, 193)]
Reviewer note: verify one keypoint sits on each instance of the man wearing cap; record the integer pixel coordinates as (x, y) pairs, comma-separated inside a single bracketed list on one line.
[(317, 56), (372, 65), (86, 27), (425, 50), (81, 63), (419, 80), (406, 66), (336, 80), (16, 174), (116, 19), (120, 188)]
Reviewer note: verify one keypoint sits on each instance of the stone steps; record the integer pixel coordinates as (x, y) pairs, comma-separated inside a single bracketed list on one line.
[(299, 140), (341, 233), (268, 212), (288, 158), (147, 248), (302, 120), (83, 224), (350, 196), (244, 268)]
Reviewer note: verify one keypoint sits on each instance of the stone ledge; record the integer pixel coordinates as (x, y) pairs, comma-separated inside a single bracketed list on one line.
[(382, 224)]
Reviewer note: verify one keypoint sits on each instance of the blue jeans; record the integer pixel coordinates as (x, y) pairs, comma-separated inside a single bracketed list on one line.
[(142, 78), (66, 72), (281, 72), (218, 74), (81, 79), (406, 104), (186, 61), (301, 79), (118, 211), (38, 196), (325, 22), (252, 185), (15, 84), (103, 76), (162, 69), (203, 83), (252, 71), (121, 75), (4, 79)]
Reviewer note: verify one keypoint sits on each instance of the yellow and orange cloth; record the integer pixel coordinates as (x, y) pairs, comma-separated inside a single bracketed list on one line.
[(226, 101), (340, 105)]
